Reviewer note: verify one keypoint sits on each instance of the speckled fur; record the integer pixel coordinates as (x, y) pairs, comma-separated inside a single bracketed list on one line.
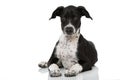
[(66, 49)]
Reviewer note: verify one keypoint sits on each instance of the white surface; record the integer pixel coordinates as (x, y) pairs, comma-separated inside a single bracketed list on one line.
[(89, 75), (28, 37)]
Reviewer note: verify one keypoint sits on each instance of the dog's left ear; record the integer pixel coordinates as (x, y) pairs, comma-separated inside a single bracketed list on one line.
[(84, 12), (57, 12)]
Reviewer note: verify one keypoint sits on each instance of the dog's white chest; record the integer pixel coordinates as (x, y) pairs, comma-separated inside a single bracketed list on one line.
[(66, 51)]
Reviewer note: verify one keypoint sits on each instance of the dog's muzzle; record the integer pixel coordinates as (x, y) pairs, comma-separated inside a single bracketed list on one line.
[(69, 30)]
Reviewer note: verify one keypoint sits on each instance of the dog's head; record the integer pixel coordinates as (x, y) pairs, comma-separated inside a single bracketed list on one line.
[(70, 18)]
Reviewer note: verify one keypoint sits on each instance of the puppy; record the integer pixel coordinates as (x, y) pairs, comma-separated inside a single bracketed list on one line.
[(72, 51)]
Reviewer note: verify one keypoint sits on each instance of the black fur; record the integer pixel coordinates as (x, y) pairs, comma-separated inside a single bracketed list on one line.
[(86, 52), (53, 58), (70, 14)]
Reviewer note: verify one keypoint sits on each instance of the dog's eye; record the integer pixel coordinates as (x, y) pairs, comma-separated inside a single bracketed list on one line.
[(63, 19)]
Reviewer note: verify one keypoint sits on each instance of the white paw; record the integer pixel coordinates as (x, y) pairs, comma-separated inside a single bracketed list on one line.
[(42, 64), (70, 73), (55, 73), (54, 70), (73, 71)]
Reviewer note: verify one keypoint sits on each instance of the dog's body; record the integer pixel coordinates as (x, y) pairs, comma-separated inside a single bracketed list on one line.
[(72, 51)]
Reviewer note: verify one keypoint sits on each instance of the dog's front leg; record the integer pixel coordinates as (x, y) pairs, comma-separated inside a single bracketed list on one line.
[(74, 70), (53, 59), (53, 67)]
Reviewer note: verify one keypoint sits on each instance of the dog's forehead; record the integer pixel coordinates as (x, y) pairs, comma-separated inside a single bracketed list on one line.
[(70, 8), (70, 11)]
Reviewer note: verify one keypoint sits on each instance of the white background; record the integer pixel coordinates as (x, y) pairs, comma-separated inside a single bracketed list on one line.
[(28, 37)]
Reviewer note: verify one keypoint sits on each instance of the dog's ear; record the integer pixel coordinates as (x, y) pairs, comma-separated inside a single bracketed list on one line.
[(57, 12), (84, 12)]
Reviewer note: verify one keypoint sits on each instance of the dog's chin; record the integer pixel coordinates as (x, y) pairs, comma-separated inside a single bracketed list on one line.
[(70, 35), (73, 34)]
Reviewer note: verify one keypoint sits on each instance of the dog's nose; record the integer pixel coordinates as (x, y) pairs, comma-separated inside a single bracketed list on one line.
[(69, 30)]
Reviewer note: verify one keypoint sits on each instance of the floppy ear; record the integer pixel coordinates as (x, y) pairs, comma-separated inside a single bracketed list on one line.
[(57, 12), (84, 12)]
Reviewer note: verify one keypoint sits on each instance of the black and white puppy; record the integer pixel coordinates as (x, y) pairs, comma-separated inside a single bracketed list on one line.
[(72, 51)]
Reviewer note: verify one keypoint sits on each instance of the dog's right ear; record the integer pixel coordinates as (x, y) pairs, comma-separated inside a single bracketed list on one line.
[(57, 12)]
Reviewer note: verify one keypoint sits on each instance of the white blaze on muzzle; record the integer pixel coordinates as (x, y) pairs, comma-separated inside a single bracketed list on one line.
[(68, 26)]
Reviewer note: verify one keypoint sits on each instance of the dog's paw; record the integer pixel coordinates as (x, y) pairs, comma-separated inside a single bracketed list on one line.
[(73, 71), (70, 73), (54, 71), (43, 64)]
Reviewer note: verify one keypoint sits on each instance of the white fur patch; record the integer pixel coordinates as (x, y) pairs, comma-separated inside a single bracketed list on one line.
[(74, 70), (54, 70), (66, 50), (69, 25)]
